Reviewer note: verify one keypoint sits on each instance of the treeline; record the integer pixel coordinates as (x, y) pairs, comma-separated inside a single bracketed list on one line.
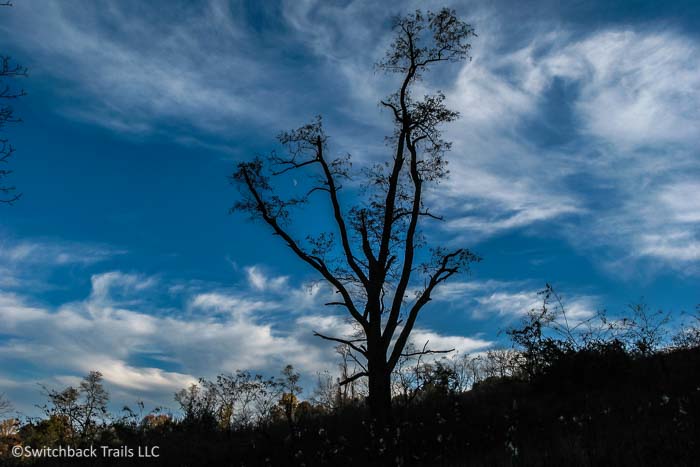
[(594, 391)]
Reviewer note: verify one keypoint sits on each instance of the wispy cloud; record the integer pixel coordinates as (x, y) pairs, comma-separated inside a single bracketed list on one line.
[(586, 134), (509, 300), (138, 68), (25, 264), (146, 351), (577, 133), (617, 179), (53, 253)]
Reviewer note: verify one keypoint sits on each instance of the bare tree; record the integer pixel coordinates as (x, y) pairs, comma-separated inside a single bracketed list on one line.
[(350, 390), (238, 400), (688, 336), (243, 398), (643, 330), (8, 93), (332, 395), (413, 372), (501, 363), (469, 370), (380, 250), (5, 405)]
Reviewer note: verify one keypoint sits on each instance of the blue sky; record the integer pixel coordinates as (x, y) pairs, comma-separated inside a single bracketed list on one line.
[(575, 162)]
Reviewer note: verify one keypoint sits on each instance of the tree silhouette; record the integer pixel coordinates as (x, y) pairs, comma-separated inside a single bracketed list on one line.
[(5, 405), (83, 407), (380, 248), (7, 115)]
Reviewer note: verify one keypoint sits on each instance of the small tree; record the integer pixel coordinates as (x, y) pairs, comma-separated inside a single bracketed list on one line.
[(502, 363), (231, 401), (644, 331), (198, 405), (84, 408), (5, 405), (243, 398), (377, 255), (289, 384), (688, 336), (544, 335), (8, 93)]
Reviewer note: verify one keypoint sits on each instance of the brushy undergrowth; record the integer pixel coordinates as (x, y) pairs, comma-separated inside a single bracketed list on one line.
[(598, 406)]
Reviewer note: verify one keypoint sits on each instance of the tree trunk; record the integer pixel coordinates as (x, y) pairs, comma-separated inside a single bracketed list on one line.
[(380, 393)]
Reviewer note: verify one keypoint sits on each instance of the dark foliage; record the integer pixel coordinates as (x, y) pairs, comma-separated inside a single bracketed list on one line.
[(600, 405)]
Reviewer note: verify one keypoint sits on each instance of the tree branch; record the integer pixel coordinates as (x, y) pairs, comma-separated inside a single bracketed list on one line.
[(338, 213), (409, 247), (444, 272), (394, 109), (314, 262), (426, 352), (353, 378), (349, 343)]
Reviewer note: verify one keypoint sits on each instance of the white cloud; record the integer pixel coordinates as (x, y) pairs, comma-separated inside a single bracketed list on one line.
[(639, 89), (27, 264), (634, 104), (119, 374), (634, 96), (508, 303), (137, 68), (237, 307), (104, 284), (260, 281), (52, 253), (681, 201), (509, 299), (145, 351), (657, 221), (517, 303), (672, 246), (460, 344), (619, 184)]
